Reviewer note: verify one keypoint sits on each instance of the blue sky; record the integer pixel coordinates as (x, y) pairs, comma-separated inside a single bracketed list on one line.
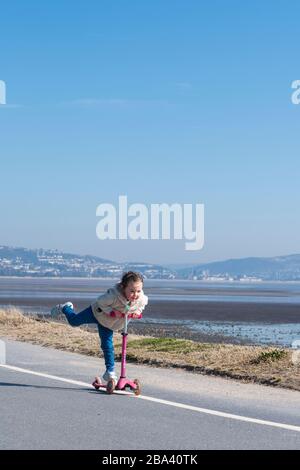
[(163, 101)]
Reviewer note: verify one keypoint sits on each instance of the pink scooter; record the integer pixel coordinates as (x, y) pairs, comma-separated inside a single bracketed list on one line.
[(123, 382)]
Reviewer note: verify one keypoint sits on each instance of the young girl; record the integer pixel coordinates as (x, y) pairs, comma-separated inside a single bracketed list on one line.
[(108, 313)]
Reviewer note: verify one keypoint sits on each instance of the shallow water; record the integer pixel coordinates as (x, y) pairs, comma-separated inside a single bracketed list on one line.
[(181, 290), (279, 334)]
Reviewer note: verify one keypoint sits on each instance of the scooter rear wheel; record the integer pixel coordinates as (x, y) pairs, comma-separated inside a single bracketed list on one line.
[(138, 389), (110, 386), (97, 383)]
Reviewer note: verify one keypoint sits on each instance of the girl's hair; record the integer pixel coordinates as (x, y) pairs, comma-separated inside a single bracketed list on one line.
[(131, 276)]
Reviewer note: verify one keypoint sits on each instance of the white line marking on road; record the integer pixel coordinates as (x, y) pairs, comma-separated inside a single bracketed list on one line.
[(60, 379), (289, 427)]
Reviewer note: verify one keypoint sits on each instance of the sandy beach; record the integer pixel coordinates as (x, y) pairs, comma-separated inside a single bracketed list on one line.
[(191, 310), (231, 318), (161, 317)]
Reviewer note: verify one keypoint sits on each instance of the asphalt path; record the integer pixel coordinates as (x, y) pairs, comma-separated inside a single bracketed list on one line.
[(46, 402)]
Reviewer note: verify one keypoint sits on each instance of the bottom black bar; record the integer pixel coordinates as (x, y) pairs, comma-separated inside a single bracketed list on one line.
[(135, 459)]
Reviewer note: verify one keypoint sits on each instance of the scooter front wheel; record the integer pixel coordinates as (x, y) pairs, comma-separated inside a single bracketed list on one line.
[(138, 389), (110, 386)]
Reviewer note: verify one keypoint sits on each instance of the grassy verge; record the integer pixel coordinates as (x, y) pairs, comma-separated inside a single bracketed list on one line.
[(271, 366)]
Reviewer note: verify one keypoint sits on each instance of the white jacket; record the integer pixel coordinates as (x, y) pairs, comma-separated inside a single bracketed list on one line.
[(111, 307)]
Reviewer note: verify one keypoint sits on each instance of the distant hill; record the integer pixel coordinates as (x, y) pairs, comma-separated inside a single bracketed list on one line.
[(53, 263), (281, 268)]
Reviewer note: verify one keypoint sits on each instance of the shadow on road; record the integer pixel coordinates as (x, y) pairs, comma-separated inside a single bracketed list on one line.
[(83, 389)]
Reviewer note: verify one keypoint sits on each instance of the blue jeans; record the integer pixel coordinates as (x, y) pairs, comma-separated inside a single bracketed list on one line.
[(106, 335)]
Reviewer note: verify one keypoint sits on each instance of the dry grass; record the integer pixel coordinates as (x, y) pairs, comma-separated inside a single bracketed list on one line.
[(272, 366)]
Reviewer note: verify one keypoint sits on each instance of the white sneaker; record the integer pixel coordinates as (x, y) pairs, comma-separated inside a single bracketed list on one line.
[(109, 375), (57, 310)]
